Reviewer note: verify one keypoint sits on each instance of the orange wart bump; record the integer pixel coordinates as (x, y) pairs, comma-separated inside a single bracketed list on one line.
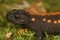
[(48, 20), (44, 19), (55, 22), (58, 21), (33, 19)]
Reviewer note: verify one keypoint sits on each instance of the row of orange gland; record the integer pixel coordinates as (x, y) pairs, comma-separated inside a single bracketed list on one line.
[(49, 21)]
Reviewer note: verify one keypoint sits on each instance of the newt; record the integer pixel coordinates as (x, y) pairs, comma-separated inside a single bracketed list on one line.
[(44, 22)]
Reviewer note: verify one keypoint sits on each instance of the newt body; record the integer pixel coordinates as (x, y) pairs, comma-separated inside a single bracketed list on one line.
[(41, 24)]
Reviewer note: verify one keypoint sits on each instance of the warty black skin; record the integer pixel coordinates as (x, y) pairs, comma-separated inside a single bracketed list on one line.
[(39, 26)]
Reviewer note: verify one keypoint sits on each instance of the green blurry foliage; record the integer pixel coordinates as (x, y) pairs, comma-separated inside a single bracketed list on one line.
[(52, 5), (10, 1)]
